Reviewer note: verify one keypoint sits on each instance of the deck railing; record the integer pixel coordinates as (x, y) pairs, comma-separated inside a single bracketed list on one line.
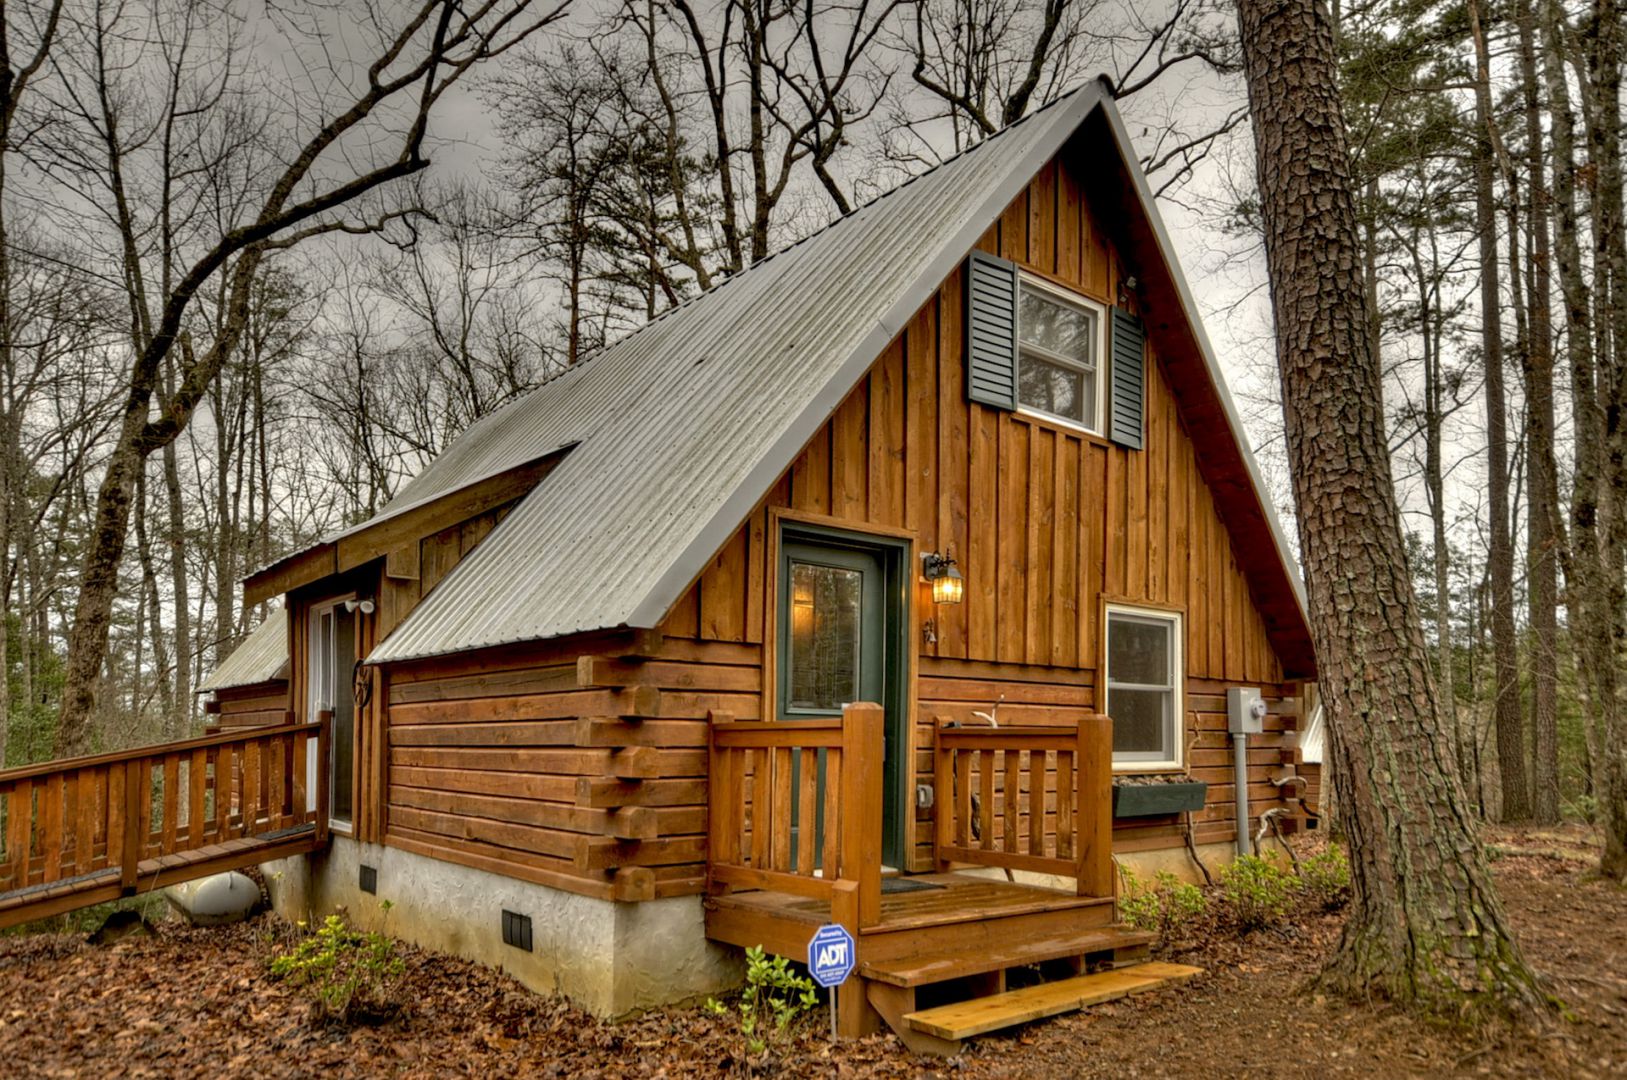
[(85, 816), (1033, 798), (795, 806)]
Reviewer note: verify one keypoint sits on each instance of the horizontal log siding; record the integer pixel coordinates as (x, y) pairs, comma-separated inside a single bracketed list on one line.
[(519, 761), (1046, 522), (252, 706)]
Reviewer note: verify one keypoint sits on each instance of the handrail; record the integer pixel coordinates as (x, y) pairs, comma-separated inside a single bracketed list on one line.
[(1053, 816), (85, 817), (775, 785), (112, 757)]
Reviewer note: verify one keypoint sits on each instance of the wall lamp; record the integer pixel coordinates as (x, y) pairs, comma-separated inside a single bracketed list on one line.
[(948, 587)]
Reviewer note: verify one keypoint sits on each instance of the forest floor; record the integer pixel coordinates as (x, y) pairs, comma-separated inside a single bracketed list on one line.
[(187, 1002)]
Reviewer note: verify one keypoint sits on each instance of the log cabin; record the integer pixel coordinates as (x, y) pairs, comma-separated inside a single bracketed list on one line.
[(862, 587)]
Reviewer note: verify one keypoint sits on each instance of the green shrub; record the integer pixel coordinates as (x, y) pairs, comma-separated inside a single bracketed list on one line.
[(774, 997), (1256, 892), (350, 975), (1325, 878), (1167, 907)]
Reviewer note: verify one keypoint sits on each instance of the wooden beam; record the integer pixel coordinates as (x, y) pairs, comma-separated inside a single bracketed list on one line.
[(298, 569)]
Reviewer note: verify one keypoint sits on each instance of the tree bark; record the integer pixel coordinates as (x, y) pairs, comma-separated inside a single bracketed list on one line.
[(1542, 504), (1506, 710), (1426, 927)]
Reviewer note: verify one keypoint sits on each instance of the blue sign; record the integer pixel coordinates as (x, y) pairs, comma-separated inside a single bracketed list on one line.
[(830, 955)]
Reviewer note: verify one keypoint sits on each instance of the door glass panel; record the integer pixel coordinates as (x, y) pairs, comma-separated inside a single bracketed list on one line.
[(344, 709), (824, 637)]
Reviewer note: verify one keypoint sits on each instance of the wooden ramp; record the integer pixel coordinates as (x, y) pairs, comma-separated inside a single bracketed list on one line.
[(84, 831)]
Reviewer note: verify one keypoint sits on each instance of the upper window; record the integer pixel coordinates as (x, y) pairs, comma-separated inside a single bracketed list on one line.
[(1059, 355), (1143, 687)]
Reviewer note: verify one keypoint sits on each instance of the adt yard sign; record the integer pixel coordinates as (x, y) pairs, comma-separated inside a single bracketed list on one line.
[(830, 955)]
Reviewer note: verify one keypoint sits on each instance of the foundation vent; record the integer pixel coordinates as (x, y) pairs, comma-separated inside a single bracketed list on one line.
[(369, 879), (517, 930)]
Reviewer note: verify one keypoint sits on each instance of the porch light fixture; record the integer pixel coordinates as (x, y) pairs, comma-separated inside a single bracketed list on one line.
[(948, 587)]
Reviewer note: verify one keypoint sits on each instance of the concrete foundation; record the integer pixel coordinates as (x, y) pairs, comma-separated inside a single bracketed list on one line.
[(611, 958)]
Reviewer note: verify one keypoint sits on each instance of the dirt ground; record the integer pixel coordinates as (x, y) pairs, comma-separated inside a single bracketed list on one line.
[(190, 1002)]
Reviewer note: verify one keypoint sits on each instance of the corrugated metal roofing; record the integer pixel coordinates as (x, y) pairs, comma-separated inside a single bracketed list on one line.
[(259, 659), (682, 426)]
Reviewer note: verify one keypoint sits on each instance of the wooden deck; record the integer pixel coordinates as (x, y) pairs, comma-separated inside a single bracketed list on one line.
[(84, 831)]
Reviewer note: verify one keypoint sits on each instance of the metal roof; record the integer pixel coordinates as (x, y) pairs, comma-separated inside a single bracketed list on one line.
[(261, 658), (683, 425)]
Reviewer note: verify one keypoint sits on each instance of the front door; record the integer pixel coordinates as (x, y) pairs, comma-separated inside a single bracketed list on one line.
[(840, 641)]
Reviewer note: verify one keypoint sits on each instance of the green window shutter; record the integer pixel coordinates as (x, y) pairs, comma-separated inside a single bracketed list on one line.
[(1127, 374), (991, 331)]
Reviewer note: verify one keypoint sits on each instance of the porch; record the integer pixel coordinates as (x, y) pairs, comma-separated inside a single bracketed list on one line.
[(935, 950)]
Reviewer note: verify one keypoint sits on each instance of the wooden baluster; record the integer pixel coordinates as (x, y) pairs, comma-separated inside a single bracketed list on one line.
[(136, 804), (251, 786), (20, 831), (780, 843), (51, 799), (144, 808), (943, 790), (116, 805), (1064, 804), (224, 773), (963, 797), (1094, 776), (761, 793), (1037, 760), (84, 839), (831, 858), (172, 800), (807, 792), (985, 810), (276, 752), (1011, 818), (300, 799), (864, 739), (197, 776)]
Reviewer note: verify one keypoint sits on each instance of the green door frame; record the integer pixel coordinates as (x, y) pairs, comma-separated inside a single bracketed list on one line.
[(892, 555)]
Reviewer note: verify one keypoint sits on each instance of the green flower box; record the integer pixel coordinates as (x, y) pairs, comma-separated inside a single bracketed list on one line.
[(1155, 800)]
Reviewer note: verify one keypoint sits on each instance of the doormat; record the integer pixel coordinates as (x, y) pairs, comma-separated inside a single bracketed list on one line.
[(904, 884)]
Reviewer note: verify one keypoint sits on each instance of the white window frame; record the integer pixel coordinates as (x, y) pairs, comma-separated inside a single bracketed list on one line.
[(1175, 761), (314, 703), (1052, 291)]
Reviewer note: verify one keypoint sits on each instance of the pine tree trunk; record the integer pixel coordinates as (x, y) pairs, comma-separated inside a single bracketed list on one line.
[(1506, 710), (1426, 927), (1542, 506)]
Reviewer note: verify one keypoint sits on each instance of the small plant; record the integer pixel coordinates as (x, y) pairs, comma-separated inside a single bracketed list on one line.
[(1168, 906), (349, 974), (1256, 892), (774, 997), (1325, 878)]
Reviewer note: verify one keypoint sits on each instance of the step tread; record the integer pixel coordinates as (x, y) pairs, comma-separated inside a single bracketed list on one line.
[(936, 967), (963, 1019)]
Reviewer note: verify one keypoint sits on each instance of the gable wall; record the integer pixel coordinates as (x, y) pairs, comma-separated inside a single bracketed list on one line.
[(1046, 523)]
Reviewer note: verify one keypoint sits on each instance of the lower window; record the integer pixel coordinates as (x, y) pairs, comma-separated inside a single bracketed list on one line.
[(1144, 687)]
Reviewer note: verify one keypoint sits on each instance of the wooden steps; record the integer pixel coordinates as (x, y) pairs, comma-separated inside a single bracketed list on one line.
[(964, 1019), (1124, 945)]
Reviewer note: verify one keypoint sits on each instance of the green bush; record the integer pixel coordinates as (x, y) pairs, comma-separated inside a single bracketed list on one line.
[(1256, 893), (350, 975), (1167, 907), (774, 997), (1325, 878)]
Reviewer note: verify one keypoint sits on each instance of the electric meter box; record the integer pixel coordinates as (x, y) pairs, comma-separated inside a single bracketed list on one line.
[(1245, 710)]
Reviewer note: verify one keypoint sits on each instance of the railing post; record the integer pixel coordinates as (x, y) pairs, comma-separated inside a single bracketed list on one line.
[(943, 797), (1093, 779), (722, 797), (863, 744), (324, 746)]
